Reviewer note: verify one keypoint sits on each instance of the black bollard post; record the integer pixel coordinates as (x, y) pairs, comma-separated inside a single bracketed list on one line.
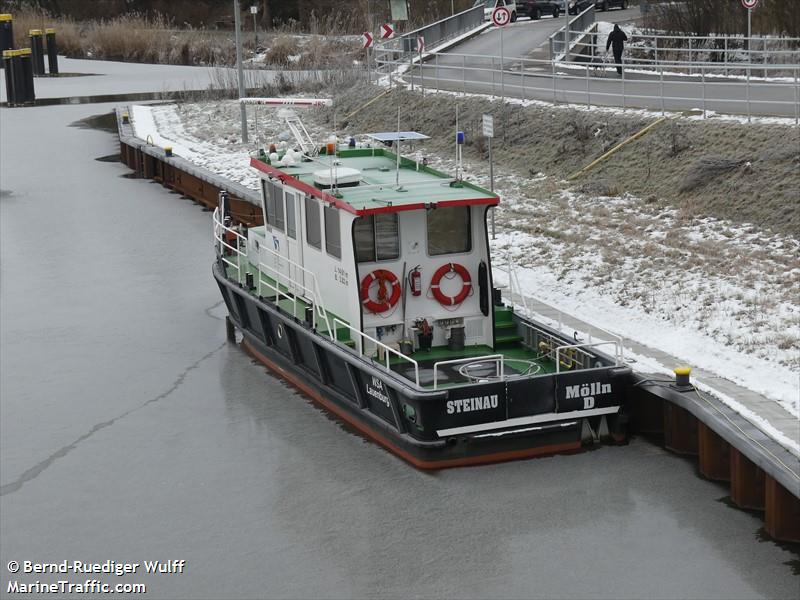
[(6, 33), (19, 78), (52, 51), (9, 62), (37, 50), (25, 70)]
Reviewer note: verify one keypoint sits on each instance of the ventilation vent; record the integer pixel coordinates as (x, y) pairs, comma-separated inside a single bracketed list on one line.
[(473, 329), (339, 176)]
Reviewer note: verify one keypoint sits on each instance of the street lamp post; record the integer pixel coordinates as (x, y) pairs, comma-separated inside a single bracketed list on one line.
[(237, 17)]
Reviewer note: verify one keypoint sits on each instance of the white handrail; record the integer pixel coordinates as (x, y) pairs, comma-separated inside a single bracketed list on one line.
[(515, 289), (220, 229), (311, 293), (499, 359), (361, 336)]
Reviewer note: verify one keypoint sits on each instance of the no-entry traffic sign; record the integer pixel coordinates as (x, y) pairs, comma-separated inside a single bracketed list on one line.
[(367, 39), (387, 30), (501, 16), (749, 4)]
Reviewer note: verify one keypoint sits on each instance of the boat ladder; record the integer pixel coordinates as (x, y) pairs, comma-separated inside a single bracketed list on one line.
[(299, 132)]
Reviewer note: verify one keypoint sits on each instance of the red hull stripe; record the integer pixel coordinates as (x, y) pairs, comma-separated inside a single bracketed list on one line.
[(374, 435), (312, 191)]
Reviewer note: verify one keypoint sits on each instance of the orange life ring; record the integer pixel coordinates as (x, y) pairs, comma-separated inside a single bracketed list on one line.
[(466, 288), (385, 301)]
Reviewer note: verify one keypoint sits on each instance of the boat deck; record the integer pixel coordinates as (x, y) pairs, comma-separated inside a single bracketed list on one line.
[(517, 357)]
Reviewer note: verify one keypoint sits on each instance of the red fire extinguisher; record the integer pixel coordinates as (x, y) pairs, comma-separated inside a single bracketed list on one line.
[(415, 281)]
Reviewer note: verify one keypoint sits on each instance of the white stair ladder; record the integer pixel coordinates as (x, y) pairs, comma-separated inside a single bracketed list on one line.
[(299, 131)]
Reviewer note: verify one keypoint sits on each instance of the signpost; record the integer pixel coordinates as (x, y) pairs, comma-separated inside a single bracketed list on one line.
[(749, 5), (420, 50), (367, 40), (488, 132), (254, 12), (237, 17), (387, 31), (501, 17)]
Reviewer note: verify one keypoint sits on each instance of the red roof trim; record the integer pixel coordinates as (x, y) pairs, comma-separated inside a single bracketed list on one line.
[(303, 187), (325, 197), (420, 205)]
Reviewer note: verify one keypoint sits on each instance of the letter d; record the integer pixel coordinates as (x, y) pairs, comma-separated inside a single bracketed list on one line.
[(588, 402)]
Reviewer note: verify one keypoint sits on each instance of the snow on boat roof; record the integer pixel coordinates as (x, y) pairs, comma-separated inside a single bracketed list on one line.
[(393, 136), (378, 191)]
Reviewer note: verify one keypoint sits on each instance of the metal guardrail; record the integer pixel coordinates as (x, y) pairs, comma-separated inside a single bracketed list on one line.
[(578, 83), (576, 28), (223, 232), (387, 350), (515, 292), (435, 33), (729, 53)]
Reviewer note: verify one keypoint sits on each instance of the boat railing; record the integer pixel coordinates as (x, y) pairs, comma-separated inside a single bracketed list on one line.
[(569, 351), (223, 236), (497, 359), (276, 280), (546, 343), (361, 337), (519, 298)]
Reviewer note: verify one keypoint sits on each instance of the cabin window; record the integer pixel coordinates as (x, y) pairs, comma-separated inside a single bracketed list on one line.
[(291, 214), (377, 237), (449, 230), (333, 237), (273, 199), (313, 232)]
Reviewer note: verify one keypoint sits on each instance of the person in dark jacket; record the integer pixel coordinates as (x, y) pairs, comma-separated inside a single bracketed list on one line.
[(616, 41)]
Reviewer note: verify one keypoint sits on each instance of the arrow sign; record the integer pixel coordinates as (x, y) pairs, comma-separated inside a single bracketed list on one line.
[(501, 16), (387, 30), (749, 4), (420, 44), (367, 40)]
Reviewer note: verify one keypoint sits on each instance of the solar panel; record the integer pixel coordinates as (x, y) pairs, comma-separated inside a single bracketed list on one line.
[(393, 136)]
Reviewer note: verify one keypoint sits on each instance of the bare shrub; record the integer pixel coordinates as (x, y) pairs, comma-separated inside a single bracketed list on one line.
[(707, 168)]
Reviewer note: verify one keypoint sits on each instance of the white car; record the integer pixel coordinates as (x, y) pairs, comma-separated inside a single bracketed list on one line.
[(490, 5)]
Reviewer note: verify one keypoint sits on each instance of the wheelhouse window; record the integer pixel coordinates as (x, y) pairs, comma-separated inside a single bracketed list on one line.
[(377, 237), (291, 215), (333, 237), (313, 231), (273, 201), (449, 230)]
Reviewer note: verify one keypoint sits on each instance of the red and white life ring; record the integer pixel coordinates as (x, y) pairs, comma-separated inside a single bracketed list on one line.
[(385, 299), (466, 287)]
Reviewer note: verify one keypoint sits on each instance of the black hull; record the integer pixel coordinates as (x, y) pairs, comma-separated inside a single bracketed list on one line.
[(524, 419)]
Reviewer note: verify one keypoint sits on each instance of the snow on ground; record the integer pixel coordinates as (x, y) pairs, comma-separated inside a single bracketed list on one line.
[(717, 295)]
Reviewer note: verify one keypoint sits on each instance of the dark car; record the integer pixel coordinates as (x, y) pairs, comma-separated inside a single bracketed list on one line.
[(606, 4), (578, 6), (536, 9)]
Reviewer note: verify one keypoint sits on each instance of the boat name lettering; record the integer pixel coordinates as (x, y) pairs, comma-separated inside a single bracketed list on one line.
[(587, 392), (470, 404), (376, 391)]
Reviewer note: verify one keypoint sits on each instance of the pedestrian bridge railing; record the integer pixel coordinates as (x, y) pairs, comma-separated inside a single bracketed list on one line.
[(576, 29), (728, 53), (661, 87), (434, 34)]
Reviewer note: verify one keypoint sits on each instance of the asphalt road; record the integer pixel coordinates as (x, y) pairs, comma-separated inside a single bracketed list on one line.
[(469, 67)]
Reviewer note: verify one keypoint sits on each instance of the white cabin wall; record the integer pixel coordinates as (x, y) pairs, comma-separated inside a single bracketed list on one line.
[(336, 277), (414, 251)]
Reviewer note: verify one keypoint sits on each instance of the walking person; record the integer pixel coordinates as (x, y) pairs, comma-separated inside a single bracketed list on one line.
[(616, 40)]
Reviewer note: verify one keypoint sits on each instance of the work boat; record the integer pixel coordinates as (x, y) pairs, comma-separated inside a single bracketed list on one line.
[(370, 288)]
